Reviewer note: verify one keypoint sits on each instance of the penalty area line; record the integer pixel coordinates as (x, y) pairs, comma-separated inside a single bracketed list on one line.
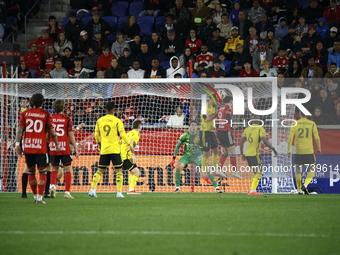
[(162, 233)]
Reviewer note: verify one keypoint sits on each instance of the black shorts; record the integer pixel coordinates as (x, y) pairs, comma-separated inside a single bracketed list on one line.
[(209, 140), (104, 160), (225, 138), (41, 160), (254, 160), (304, 159), (128, 165), (65, 160)]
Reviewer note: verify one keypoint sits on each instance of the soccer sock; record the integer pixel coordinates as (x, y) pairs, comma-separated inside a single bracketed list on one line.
[(204, 164), (214, 160), (178, 178), (222, 159), (47, 184), (24, 180), (309, 178), (133, 181), (213, 180), (119, 181), (298, 177), (31, 178), (53, 178), (233, 162), (129, 178), (41, 187), (255, 180), (96, 179), (68, 179)]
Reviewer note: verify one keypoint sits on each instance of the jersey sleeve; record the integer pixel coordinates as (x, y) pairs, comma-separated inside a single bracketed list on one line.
[(49, 121), (179, 143), (122, 133), (97, 132), (316, 136), (69, 125), (262, 132), (22, 120), (210, 109)]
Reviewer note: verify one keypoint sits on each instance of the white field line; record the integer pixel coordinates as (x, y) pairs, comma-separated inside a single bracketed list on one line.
[(162, 233)]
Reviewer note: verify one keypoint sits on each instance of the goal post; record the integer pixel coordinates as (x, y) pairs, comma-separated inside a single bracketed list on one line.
[(152, 101)]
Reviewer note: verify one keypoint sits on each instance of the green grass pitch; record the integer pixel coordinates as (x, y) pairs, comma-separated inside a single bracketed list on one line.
[(167, 223)]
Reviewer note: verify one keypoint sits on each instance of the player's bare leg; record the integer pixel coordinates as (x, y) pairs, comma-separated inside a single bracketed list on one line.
[(119, 182), (95, 181), (133, 179), (256, 177), (68, 181)]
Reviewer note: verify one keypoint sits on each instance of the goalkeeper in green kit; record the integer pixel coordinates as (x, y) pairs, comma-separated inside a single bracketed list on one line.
[(192, 154)]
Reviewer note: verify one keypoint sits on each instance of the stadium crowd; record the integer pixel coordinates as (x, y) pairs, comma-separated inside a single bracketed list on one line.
[(284, 39)]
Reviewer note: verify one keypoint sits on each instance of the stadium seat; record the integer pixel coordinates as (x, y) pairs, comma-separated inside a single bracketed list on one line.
[(111, 20), (65, 21), (11, 22), (86, 20), (160, 21), (119, 12), (146, 19), (145, 28), (121, 22), (137, 5), (112, 37), (135, 12), (165, 65), (121, 4)]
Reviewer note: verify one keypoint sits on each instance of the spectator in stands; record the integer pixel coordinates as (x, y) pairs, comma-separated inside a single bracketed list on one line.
[(130, 29), (103, 7), (329, 41), (334, 55), (293, 15), (207, 29), (98, 41), (216, 43), (243, 24), (320, 54), (179, 119), (281, 61), (82, 44), (248, 71), (98, 24), (193, 42), (319, 117), (151, 10), (251, 43), (325, 102), (255, 12), (135, 45), (67, 59), (186, 57), (174, 68), (234, 12), (313, 12), (281, 29), (199, 14), (332, 85), (263, 53), (333, 72), (309, 41), (135, 72), (178, 9), (281, 80), (3, 15), (114, 70), (225, 63), (155, 44), (43, 40), (225, 26), (263, 25), (119, 45), (104, 59), (61, 43), (301, 27), (58, 72), (312, 70), (230, 46), (322, 29), (216, 71), (169, 24), (239, 59), (50, 56), (53, 28), (125, 61), (272, 42), (33, 60), (145, 57), (294, 69), (73, 28), (266, 71), (204, 60), (172, 46), (217, 14), (77, 6), (154, 70), (184, 25), (287, 41), (332, 13), (78, 71), (90, 61), (23, 71)]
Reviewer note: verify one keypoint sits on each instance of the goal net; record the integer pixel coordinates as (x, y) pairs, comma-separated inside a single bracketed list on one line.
[(153, 102)]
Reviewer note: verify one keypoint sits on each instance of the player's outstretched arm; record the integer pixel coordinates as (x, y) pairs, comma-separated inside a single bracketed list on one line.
[(317, 138), (73, 142), (269, 145), (18, 140), (243, 140)]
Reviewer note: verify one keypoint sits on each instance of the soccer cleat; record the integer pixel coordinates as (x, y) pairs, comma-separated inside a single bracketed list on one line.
[(40, 202), (255, 193), (119, 195), (218, 190), (305, 190), (68, 196), (236, 175), (132, 192), (92, 193), (53, 191), (177, 190), (300, 192), (207, 180), (47, 196), (221, 174), (23, 196)]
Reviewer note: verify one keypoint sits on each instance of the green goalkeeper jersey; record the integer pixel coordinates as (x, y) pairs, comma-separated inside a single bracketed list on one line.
[(192, 144)]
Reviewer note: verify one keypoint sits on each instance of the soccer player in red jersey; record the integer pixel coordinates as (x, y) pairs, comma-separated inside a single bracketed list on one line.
[(64, 129), (224, 135), (34, 123)]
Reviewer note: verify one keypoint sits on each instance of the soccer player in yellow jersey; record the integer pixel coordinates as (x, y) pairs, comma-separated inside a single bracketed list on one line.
[(254, 134), (128, 157), (302, 134), (108, 131)]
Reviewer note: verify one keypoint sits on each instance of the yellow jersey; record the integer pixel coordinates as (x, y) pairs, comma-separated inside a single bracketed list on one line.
[(125, 149), (302, 135), (253, 135), (108, 131), (205, 124)]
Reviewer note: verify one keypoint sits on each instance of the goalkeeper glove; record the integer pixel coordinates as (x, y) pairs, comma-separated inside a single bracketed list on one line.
[(172, 163)]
